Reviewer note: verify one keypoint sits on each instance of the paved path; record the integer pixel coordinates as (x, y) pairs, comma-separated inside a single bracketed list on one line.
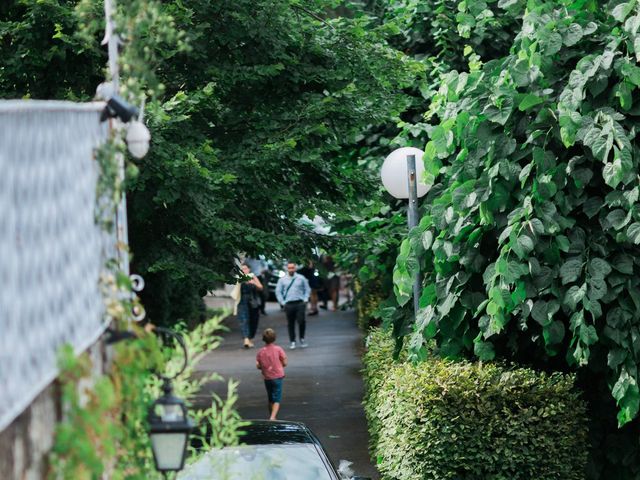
[(322, 388)]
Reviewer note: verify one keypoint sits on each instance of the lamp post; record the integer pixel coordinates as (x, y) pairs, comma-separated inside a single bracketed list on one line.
[(401, 173), (169, 423), (168, 418), (169, 429)]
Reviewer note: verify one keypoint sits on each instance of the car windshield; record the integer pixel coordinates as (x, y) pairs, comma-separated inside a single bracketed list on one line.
[(259, 462)]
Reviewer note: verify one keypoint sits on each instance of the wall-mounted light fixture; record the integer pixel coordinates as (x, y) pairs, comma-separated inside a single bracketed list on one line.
[(138, 138), (118, 107)]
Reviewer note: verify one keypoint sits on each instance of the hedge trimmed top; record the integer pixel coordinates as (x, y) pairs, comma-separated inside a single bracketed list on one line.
[(529, 239), (444, 419)]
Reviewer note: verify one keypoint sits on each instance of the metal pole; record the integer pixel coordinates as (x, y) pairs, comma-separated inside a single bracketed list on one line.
[(111, 40), (122, 229), (412, 213)]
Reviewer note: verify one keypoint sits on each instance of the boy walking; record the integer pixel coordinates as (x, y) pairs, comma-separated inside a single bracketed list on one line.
[(271, 361)]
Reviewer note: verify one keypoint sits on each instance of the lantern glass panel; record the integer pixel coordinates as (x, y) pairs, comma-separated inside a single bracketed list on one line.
[(169, 412), (169, 450)]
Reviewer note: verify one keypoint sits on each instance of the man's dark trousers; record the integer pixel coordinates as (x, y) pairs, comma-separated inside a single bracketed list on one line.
[(295, 313)]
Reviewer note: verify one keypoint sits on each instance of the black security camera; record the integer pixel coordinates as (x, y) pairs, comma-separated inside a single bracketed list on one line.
[(120, 108)]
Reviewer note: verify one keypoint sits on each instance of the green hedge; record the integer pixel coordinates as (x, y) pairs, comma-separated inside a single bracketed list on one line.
[(471, 421), (377, 360)]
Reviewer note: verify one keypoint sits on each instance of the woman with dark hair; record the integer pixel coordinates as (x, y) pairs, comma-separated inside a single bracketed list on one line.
[(249, 306)]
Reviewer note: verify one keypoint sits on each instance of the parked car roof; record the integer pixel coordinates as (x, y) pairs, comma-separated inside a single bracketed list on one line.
[(276, 432), (269, 450)]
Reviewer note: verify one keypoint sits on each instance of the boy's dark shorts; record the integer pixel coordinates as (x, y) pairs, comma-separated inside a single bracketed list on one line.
[(274, 390)]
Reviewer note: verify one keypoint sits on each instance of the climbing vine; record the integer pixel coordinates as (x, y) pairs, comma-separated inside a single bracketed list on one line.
[(104, 430), (529, 239)]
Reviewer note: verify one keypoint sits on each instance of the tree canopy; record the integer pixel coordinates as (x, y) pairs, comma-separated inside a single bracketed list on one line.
[(251, 137), (254, 110)]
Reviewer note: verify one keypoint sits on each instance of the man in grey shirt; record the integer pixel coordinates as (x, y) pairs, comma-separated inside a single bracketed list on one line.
[(292, 292)]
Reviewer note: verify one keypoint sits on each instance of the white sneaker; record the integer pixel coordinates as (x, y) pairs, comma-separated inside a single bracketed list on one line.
[(303, 344), (292, 346)]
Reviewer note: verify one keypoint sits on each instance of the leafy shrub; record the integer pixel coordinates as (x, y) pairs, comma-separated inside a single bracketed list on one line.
[(377, 360), (441, 419), (530, 237), (104, 432)]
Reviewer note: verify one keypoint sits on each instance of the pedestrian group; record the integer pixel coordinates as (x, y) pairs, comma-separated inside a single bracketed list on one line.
[(293, 292)]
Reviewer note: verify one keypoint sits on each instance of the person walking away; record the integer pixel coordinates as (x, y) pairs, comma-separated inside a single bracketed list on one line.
[(310, 272), (264, 279), (249, 306), (259, 266), (333, 281), (271, 361), (292, 292)]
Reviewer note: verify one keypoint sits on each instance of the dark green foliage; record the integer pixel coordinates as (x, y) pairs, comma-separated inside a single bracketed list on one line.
[(475, 421), (367, 303), (614, 451), (370, 250), (441, 28), (42, 55), (441, 34), (251, 138), (249, 131)]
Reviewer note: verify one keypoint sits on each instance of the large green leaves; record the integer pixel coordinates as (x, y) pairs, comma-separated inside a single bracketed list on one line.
[(571, 270), (404, 273), (552, 155)]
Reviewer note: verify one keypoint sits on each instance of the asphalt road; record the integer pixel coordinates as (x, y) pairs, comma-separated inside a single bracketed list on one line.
[(322, 388)]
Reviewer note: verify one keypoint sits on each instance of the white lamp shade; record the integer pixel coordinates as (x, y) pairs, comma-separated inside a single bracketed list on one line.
[(394, 172), (169, 450), (138, 138)]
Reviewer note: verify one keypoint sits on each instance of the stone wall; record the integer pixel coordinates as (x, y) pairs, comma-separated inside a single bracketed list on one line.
[(26, 442)]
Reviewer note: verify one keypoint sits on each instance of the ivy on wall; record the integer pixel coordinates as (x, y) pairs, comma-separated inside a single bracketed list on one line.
[(104, 429)]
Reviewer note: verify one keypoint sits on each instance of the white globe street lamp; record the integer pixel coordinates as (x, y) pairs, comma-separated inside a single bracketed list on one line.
[(402, 173), (395, 172)]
